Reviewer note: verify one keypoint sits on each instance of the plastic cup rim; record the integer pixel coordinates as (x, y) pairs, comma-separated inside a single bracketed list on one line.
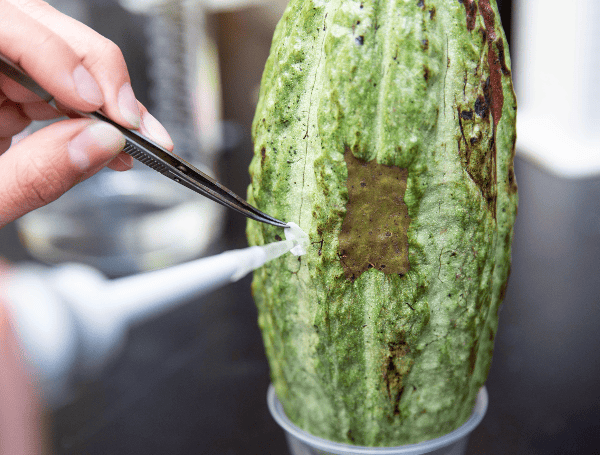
[(479, 410)]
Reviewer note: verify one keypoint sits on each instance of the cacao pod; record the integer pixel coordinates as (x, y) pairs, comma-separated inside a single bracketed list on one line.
[(386, 130)]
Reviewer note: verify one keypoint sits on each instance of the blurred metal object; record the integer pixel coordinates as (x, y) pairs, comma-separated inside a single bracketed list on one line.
[(557, 55), (122, 223), (184, 74)]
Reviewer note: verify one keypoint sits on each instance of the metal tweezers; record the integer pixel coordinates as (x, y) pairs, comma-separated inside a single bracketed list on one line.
[(151, 154)]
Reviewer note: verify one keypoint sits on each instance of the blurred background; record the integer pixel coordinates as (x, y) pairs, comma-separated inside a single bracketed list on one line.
[(194, 380)]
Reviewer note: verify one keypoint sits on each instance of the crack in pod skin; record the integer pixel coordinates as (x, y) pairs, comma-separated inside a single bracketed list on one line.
[(393, 355)]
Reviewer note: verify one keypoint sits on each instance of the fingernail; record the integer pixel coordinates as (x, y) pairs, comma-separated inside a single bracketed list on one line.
[(97, 139), (86, 86), (128, 105), (156, 131)]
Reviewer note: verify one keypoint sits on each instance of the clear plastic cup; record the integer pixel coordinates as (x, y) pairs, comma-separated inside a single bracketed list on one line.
[(302, 443)]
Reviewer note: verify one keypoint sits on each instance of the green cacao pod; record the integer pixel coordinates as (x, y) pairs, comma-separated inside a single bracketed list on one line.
[(386, 130)]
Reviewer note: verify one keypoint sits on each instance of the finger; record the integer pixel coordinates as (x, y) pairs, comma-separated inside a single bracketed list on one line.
[(40, 111), (42, 166), (122, 162), (4, 144), (16, 92), (33, 106), (12, 119), (153, 129), (99, 55), (48, 59)]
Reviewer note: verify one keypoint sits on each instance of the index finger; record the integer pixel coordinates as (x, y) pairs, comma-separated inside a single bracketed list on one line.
[(99, 55), (48, 59)]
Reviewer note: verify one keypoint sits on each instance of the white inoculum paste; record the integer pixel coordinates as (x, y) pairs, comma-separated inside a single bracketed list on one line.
[(294, 233)]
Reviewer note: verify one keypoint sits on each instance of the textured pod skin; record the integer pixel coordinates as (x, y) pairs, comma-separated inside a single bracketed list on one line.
[(386, 130)]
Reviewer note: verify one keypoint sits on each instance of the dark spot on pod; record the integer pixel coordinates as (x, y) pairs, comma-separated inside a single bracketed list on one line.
[(512, 181), (432, 13), (471, 10), (481, 107), (483, 32), (263, 153), (420, 3), (425, 44), (425, 73), (360, 40), (278, 238), (467, 115), (502, 58), (349, 434)]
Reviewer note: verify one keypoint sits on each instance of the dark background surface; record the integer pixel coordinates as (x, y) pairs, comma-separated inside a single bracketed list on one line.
[(194, 381)]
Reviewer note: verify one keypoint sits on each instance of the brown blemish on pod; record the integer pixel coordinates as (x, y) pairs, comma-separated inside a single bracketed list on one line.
[(471, 9), (496, 62), (374, 230), (396, 366)]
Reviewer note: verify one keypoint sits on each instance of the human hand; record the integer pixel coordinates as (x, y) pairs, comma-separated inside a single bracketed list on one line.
[(83, 71)]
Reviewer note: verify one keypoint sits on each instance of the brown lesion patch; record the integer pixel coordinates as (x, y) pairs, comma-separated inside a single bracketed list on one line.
[(263, 155), (473, 357), (477, 148), (374, 231), (396, 366), (471, 10), (496, 60), (512, 179)]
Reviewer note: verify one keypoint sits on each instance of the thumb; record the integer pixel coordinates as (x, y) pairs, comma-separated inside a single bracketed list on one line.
[(41, 167)]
